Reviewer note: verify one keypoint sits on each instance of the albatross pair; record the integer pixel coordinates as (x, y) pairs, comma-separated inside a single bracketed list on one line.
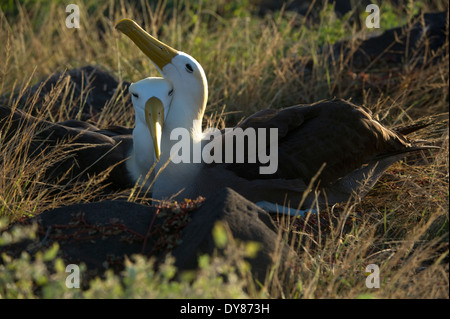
[(337, 139)]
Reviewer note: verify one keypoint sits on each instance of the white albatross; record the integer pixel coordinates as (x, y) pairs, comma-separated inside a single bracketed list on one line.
[(149, 96)]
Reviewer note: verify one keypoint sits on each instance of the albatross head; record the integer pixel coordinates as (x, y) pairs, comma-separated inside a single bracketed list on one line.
[(183, 71), (151, 99)]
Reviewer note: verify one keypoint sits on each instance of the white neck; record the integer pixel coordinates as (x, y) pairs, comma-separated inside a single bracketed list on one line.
[(186, 111), (142, 155)]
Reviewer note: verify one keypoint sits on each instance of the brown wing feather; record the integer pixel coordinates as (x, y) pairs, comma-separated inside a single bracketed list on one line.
[(338, 133)]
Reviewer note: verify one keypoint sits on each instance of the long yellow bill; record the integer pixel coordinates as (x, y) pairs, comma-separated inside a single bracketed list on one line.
[(161, 54), (154, 117)]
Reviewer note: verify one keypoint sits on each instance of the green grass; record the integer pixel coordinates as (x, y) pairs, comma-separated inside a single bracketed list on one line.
[(252, 62)]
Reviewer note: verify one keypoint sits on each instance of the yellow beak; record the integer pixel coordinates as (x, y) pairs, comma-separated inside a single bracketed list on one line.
[(154, 117), (160, 54)]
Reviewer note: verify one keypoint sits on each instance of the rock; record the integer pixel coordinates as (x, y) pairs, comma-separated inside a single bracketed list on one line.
[(246, 221), (102, 234), (92, 89), (98, 234), (399, 45), (380, 63)]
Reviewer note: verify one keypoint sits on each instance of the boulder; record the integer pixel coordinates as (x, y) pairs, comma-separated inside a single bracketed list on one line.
[(102, 234), (91, 86), (98, 234), (246, 221)]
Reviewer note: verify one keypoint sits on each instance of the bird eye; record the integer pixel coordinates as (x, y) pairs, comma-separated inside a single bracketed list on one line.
[(135, 95), (189, 68), (171, 92)]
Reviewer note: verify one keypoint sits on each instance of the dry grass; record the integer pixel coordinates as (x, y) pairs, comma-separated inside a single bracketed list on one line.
[(252, 63)]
